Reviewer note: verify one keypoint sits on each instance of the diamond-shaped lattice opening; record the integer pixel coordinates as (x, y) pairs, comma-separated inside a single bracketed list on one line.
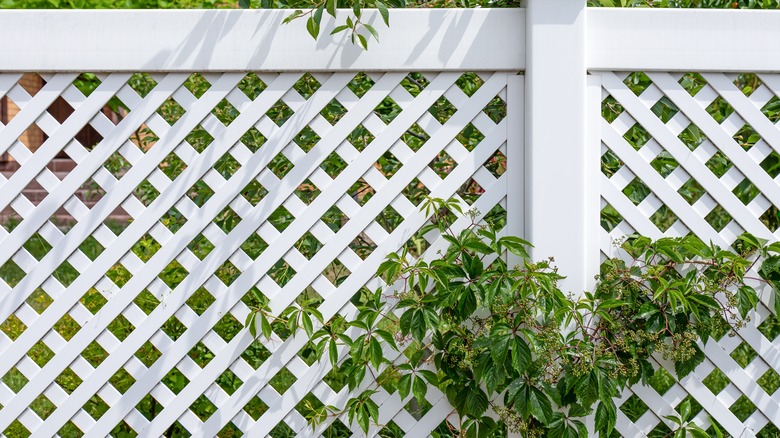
[(363, 246), (360, 137), (197, 85), (307, 192), (495, 217), (469, 83), (16, 429), (771, 164), (252, 86), (171, 111), (172, 166), (281, 430), (361, 191), (255, 354), (360, 84), (387, 110), (664, 164), (122, 380), (94, 354), (145, 247), (746, 137), (255, 408), (470, 191), (337, 428), (91, 248), (333, 111), (13, 327), (199, 139), (307, 85), (718, 218), (253, 246), (443, 164), (692, 137), (414, 83), (200, 246), (15, 380), (282, 381), (415, 137), (692, 83), (418, 244), (230, 430), (67, 327), (227, 166), (743, 354), (769, 381), (199, 193), (65, 273), (637, 136), (173, 274), (770, 430), (772, 109), (719, 109), (470, 137), (336, 378), (336, 272), (11, 273), (389, 219), (610, 163), (70, 430), (716, 381), (771, 218), (203, 408), (694, 405), (391, 430), (37, 246), (148, 406), (611, 109), (200, 300), (281, 273), (415, 192), (417, 409), (279, 113), (742, 408), (664, 109), (227, 220), (637, 82), (495, 109), (442, 110), (146, 301), (636, 191), (254, 299), (496, 164), (142, 83), (227, 273), (746, 191), (148, 354), (281, 218), (309, 407), (39, 301), (40, 354), (254, 192), (334, 218), (308, 245), (691, 191), (42, 406), (280, 166), (308, 354), (227, 327), (146, 193), (229, 382), (770, 327), (333, 165), (747, 83), (661, 381), (68, 380), (663, 218), (173, 328), (175, 380), (253, 139), (306, 139), (719, 164), (225, 112)]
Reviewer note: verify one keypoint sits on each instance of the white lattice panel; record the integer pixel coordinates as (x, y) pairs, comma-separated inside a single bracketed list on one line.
[(697, 153), (210, 129)]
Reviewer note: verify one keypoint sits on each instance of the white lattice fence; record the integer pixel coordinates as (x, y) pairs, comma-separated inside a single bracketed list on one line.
[(697, 153), (58, 330)]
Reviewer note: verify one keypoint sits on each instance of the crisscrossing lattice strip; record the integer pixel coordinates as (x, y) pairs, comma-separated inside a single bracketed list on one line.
[(696, 153), (240, 189)]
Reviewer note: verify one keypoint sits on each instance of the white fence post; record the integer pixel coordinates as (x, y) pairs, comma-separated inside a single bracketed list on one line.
[(557, 221)]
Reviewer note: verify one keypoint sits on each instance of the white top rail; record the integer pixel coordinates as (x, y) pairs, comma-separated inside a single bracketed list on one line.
[(240, 40), (683, 40)]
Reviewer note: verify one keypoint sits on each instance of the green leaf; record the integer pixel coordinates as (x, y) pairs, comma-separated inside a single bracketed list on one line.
[(337, 30), (250, 323), (265, 326), (372, 31), (383, 12), (683, 368), (313, 27), (243, 4), (540, 406), (333, 352), (419, 389), (515, 245), (747, 299), (521, 355), (476, 402), (499, 348), (606, 416), (330, 5), (363, 41), (405, 385)]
